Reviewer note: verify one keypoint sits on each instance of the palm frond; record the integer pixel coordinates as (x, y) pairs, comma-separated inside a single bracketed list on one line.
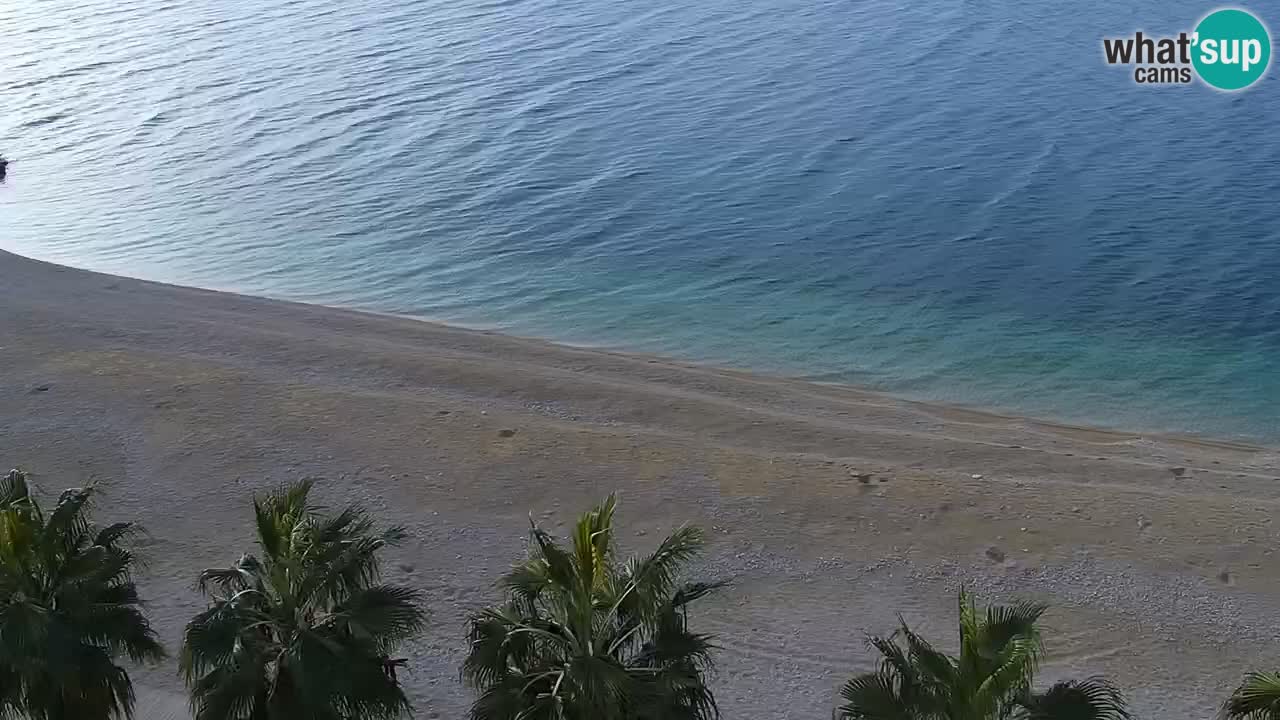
[(114, 533), (560, 566), (648, 583), (1257, 698), (585, 636), (689, 592), (214, 636), (894, 660), (14, 489), (122, 629), (925, 660), (68, 519), (592, 542), (1006, 623), (526, 582), (306, 631), (385, 615), (990, 679), (279, 513), (875, 696), (1089, 699), (235, 689), (69, 610), (245, 574)]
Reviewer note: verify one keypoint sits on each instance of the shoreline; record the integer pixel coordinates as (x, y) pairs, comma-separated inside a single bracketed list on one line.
[(979, 413), (831, 508)]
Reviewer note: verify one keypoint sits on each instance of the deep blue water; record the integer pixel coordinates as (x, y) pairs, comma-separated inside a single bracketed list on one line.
[(947, 199)]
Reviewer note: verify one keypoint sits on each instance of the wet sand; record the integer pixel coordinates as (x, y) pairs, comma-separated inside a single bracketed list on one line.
[(831, 508)]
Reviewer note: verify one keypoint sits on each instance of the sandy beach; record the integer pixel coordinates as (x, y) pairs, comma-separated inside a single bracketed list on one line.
[(831, 509)]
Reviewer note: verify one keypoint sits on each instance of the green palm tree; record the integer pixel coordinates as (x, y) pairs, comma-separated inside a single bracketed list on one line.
[(584, 636), (1257, 698), (304, 632), (69, 609), (990, 679)]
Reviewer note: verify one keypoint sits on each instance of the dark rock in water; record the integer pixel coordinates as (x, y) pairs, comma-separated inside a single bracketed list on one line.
[(506, 432), (1178, 471), (994, 554), (40, 389)]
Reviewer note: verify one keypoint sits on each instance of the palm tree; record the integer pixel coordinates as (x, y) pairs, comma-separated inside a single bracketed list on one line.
[(69, 609), (989, 680), (304, 632), (1257, 698), (583, 636)]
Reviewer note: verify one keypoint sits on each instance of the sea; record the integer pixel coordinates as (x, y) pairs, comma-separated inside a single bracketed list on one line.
[(948, 200)]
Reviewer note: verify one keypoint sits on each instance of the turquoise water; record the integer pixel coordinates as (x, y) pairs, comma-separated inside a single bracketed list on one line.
[(949, 200)]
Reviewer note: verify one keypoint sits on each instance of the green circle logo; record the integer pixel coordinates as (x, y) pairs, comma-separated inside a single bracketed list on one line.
[(1232, 49)]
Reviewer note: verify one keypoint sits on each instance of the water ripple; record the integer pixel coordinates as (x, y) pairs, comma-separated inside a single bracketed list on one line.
[(949, 200)]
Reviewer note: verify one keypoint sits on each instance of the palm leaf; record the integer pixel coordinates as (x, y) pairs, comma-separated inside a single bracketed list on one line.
[(990, 679), (1089, 699), (1257, 698), (875, 696), (385, 615), (584, 636), (69, 610), (14, 489), (306, 631)]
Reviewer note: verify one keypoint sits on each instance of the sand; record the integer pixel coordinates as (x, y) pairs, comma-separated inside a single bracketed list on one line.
[(832, 509)]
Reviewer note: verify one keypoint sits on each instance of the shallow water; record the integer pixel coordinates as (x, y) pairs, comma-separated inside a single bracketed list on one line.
[(947, 200)]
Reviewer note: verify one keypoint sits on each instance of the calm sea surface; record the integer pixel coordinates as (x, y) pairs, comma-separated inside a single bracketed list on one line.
[(947, 199)]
